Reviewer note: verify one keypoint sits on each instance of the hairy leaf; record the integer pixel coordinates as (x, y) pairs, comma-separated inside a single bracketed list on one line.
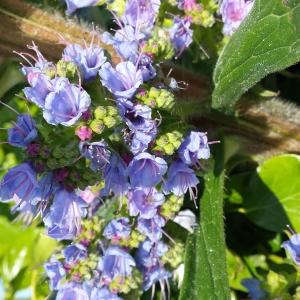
[(267, 41), (205, 263)]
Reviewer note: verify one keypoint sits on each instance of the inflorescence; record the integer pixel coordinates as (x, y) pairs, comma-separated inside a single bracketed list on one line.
[(96, 147)]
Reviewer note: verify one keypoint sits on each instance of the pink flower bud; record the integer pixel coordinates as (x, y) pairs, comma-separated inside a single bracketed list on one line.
[(84, 133)]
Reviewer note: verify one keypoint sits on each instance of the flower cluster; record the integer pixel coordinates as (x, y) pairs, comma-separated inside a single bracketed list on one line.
[(86, 151)]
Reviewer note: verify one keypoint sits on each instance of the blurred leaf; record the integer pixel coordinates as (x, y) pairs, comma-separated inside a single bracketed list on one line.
[(237, 271), (272, 195), (268, 41), (205, 261), (22, 254)]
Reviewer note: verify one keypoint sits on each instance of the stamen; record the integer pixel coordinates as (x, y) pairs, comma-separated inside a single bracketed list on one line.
[(9, 107)]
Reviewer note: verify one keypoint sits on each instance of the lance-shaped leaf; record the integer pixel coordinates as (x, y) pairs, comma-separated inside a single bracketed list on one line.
[(205, 259), (267, 41)]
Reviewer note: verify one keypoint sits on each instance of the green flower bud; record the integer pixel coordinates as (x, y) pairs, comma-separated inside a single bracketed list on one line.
[(110, 122), (100, 112), (66, 69), (174, 257), (58, 153), (159, 45), (169, 149), (112, 111), (52, 164), (97, 126)]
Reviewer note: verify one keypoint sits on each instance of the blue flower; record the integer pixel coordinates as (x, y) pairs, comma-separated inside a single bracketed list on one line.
[(292, 246), (125, 42), (152, 228), (41, 86), (75, 252), (117, 229), (45, 189), (103, 294), (123, 81), (194, 147), (149, 253), (20, 181), (146, 66), (146, 170), (64, 217), (144, 202), (141, 14), (97, 153), (181, 35), (66, 104), (89, 60), (153, 275), (73, 5), (181, 178), (254, 289), (23, 133), (141, 140), (136, 116), (55, 271), (72, 291), (116, 262), (115, 176), (40, 64)]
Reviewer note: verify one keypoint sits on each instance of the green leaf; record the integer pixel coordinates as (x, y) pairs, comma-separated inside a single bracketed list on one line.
[(272, 195), (205, 264), (267, 41)]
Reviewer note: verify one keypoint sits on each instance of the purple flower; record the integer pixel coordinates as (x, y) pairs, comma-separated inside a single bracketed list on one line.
[(146, 170), (180, 179), (123, 81), (19, 181), (194, 147), (146, 66), (144, 202), (41, 86), (141, 140), (181, 34), (117, 229), (116, 262), (136, 116), (97, 153), (72, 291), (103, 294), (153, 275), (292, 246), (73, 5), (89, 60), (115, 176), (233, 13), (74, 253), (55, 271), (152, 228), (254, 289), (46, 187), (149, 253), (141, 14), (66, 104), (125, 42), (23, 133), (40, 63), (64, 217)]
